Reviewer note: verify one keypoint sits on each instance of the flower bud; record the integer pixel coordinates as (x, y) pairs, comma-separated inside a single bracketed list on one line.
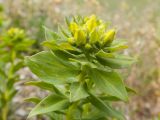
[(80, 37), (91, 23), (71, 40), (15, 31), (102, 28), (88, 46), (94, 37), (109, 36), (73, 27)]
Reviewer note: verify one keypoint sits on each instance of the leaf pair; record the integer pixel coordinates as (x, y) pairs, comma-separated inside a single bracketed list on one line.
[(52, 69)]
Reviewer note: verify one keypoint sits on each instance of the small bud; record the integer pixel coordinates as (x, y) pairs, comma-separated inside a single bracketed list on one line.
[(16, 33), (80, 37), (73, 27), (88, 46), (109, 37), (102, 28), (94, 36), (71, 40), (91, 23)]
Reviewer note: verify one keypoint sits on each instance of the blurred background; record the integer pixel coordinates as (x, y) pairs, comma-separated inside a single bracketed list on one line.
[(138, 21)]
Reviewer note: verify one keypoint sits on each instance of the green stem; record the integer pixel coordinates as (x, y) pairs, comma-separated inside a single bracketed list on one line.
[(5, 108), (10, 75), (69, 115), (82, 77), (5, 111), (86, 109)]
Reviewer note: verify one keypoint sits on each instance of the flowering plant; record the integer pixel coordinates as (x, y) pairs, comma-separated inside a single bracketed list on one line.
[(13, 44), (79, 70)]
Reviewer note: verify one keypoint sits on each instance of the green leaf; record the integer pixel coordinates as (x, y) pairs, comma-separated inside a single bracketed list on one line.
[(109, 98), (101, 53), (44, 85), (130, 90), (117, 62), (2, 73), (95, 114), (51, 35), (10, 83), (50, 68), (64, 54), (74, 108), (50, 44), (55, 116), (77, 91), (63, 31), (67, 20), (116, 48), (104, 107), (6, 57), (18, 66), (11, 94), (33, 99), (108, 82), (24, 45), (49, 104), (61, 47), (117, 45)]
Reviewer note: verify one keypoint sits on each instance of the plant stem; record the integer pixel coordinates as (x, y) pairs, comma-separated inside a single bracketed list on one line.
[(10, 75), (69, 115), (5, 109), (82, 77), (5, 112)]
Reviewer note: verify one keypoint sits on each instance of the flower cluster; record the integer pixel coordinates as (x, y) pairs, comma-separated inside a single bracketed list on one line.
[(15, 33), (15, 39), (90, 32)]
